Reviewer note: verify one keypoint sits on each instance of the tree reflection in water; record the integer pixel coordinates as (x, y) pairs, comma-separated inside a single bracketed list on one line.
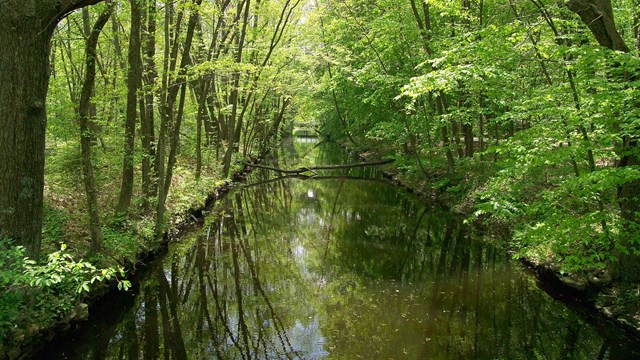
[(339, 268)]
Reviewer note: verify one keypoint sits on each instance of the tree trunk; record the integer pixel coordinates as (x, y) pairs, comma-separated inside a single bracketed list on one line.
[(468, 140), (175, 135), (147, 121), (169, 95), (94, 129), (637, 27), (25, 42), (598, 16), (85, 115), (166, 114), (174, 140), (446, 142), (234, 90), (339, 113), (629, 262), (481, 122), (202, 106), (133, 84)]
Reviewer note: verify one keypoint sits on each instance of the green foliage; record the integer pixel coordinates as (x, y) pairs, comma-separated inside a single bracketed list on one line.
[(121, 242), (53, 225), (303, 131), (33, 296), (12, 301), (189, 193), (62, 274), (552, 107), (267, 78)]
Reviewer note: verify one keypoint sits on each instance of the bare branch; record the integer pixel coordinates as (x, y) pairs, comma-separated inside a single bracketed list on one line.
[(321, 167)]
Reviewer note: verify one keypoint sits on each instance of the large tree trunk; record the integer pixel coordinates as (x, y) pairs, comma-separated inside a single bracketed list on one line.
[(26, 28), (24, 74)]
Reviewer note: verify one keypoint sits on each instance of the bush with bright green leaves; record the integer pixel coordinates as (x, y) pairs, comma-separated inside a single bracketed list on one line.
[(35, 295)]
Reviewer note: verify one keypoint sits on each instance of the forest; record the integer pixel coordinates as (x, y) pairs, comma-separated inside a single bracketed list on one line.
[(123, 120)]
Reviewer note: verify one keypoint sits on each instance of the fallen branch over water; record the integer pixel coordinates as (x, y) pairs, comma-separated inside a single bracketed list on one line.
[(318, 177), (322, 167)]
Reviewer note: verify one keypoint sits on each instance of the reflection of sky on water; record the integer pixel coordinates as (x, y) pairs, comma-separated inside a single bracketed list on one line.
[(299, 251), (307, 343), (306, 140), (298, 342), (307, 216)]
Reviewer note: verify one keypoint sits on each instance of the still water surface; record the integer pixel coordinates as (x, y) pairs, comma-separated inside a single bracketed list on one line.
[(335, 268)]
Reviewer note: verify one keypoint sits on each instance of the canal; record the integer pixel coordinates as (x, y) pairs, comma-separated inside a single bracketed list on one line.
[(343, 266)]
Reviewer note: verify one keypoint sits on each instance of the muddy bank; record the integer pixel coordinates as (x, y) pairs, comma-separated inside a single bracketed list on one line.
[(598, 299)]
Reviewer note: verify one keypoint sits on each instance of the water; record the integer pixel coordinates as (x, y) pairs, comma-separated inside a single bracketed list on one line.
[(339, 268), (306, 139)]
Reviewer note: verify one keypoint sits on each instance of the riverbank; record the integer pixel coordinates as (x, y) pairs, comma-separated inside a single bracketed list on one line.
[(577, 299), (382, 274), (185, 209), (601, 297)]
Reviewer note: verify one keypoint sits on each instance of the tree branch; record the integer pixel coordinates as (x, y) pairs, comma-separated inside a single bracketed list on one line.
[(598, 16), (322, 167), (64, 7)]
